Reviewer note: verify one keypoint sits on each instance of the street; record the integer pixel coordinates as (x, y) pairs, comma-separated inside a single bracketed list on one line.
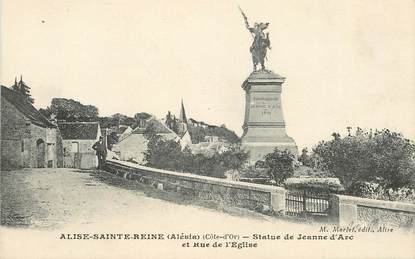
[(40, 206), (53, 198)]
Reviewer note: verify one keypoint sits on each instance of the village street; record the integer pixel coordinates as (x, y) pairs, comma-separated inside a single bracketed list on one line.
[(53, 198), (45, 203)]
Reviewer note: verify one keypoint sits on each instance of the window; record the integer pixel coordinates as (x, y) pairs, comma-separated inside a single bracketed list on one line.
[(75, 147)]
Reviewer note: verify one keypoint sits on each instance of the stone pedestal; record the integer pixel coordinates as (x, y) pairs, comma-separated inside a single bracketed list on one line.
[(264, 126)]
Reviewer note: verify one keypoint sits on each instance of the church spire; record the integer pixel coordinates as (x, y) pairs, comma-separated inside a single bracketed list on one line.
[(183, 117), (15, 87)]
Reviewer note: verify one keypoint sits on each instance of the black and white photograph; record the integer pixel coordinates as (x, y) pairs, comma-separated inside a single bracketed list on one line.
[(207, 129)]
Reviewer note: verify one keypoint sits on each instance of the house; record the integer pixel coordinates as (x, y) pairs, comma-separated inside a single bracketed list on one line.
[(185, 140), (209, 148), (212, 139), (204, 125), (123, 131), (180, 127), (132, 147), (211, 145), (28, 139), (78, 139), (201, 124), (193, 122), (183, 131)]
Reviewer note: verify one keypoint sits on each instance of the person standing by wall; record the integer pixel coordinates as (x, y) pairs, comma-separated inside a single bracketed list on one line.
[(101, 152)]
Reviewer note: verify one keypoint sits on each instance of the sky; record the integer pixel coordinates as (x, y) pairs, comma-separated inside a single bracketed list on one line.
[(346, 63)]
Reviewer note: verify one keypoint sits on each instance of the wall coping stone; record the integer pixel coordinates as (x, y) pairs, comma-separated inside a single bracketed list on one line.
[(200, 178), (381, 204)]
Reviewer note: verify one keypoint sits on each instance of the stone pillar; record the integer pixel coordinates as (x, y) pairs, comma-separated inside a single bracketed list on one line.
[(278, 201), (342, 210), (264, 126)]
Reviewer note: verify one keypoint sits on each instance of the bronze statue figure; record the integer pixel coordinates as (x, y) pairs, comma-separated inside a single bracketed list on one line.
[(260, 44)]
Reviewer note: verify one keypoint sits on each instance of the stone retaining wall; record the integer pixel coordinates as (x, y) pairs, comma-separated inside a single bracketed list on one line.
[(240, 194), (348, 210), (344, 210)]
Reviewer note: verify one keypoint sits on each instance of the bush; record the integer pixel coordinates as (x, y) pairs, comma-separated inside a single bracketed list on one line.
[(376, 191), (382, 157), (167, 154), (198, 134), (279, 165)]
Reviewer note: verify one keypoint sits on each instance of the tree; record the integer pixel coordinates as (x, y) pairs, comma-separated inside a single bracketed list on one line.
[(140, 119), (167, 154), (160, 153), (235, 158), (106, 122), (279, 165), (142, 116), (164, 154), (207, 166), (382, 157), (71, 110), (116, 119), (112, 139), (305, 158), (198, 134)]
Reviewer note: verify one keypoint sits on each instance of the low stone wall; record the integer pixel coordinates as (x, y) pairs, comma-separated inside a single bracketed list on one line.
[(348, 210), (240, 194), (344, 210)]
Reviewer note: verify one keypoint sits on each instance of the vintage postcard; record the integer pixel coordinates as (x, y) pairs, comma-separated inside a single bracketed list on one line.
[(207, 129)]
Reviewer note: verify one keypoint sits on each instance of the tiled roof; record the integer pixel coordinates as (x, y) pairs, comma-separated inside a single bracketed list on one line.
[(21, 104), (79, 130), (159, 127), (121, 129)]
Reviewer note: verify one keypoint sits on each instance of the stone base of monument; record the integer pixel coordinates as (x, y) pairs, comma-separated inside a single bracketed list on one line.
[(264, 126), (258, 150)]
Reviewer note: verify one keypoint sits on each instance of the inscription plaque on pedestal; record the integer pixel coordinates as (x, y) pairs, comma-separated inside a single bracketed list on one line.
[(264, 126)]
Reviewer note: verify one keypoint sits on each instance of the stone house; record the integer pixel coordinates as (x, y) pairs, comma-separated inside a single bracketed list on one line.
[(78, 139), (28, 139), (212, 139), (180, 127), (209, 148), (185, 140), (123, 131), (200, 124), (193, 122), (132, 147)]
